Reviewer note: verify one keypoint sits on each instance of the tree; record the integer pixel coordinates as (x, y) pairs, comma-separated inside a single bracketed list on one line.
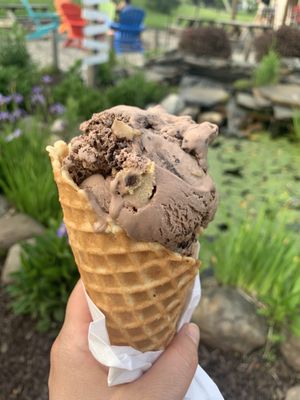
[(163, 6)]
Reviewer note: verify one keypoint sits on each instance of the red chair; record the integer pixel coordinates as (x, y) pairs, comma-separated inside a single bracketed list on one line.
[(74, 23), (58, 3)]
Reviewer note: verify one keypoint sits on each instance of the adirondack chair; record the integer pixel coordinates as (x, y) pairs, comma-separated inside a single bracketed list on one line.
[(71, 17), (44, 22), (58, 3), (127, 35)]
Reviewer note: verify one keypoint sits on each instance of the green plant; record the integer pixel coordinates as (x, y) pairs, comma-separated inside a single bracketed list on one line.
[(13, 49), (47, 275), (163, 6), (26, 174), (89, 100), (268, 70), (296, 123), (262, 257), (135, 91), (17, 80), (242, 84)]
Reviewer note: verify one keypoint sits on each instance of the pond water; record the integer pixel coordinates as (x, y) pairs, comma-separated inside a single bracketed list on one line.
[(254, 174)]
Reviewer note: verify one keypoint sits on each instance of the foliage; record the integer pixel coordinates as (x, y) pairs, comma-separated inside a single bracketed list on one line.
[(206, 42), (268, 70), (242, 84), (17, 80), (285, 41), (163, 6), (13, 48), (296, 123), (47, 275), (135, 91), (26, 174), (262, 257)]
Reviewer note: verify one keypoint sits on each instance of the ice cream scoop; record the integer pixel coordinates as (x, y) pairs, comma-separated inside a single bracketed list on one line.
[(147, 171)]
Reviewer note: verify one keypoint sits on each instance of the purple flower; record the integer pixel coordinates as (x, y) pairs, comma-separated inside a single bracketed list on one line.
[(17, 98), (4, 99), (38, 98), (37, 90), (57, 108), (16, 133), (61, 231), (47, 79), (16, 114), (4, 116)]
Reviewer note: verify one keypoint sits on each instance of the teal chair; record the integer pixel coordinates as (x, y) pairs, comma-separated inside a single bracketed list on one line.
[(44, 22)]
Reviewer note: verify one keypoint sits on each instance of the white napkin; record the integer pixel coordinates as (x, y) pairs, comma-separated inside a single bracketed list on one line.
[(127, 364)]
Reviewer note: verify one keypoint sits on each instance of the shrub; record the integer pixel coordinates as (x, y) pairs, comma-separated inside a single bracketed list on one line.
[(47, 275), (17, 80), (135, 91), (268, 71), (286, 41), (13, 51), (72, 86), (206, 41), (26, 174), (262, 257)]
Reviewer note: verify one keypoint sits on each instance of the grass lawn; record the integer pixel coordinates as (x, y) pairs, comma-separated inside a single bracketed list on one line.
[(156, 19)]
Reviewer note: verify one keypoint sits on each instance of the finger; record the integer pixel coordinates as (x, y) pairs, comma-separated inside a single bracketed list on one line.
[(78, 316), (177, 365)]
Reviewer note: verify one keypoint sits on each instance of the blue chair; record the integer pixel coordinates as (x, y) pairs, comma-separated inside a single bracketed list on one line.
[(44, 22), (127, 37)]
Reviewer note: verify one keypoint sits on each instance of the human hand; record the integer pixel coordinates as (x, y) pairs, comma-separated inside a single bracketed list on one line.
[(76, 375)]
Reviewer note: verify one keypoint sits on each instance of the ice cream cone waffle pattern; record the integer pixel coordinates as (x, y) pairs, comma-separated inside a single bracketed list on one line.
[(141, 287)]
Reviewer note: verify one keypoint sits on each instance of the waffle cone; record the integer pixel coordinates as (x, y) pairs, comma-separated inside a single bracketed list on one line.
[(141, 287)]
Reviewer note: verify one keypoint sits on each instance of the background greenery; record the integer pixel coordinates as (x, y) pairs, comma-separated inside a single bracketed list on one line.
[(186, 9)]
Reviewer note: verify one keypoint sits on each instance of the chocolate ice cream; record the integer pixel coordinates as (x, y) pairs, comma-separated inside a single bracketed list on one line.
[(147, 171)]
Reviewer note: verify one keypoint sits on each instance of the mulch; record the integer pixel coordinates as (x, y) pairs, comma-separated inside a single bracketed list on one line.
[(24, 361)]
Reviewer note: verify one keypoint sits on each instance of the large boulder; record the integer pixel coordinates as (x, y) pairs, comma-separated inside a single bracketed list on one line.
[(290, 349), (293, 393), (229, 321), (17, 227), (12, 262), (173, 104), (207, 97)]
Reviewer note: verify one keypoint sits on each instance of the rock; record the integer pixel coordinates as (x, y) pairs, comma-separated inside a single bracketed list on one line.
[(204, 96), (161, 73), (246, 100), (293, 78), (17, 227), (12, 262), (4, 206), (58, 126), (211, 116), (281, 112), (228, 321), (173, 104), (191, 111), (293, 393), (284, 94), (290, 349)]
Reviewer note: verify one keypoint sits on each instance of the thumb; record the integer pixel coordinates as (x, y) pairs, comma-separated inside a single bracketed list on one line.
[(171, 375)]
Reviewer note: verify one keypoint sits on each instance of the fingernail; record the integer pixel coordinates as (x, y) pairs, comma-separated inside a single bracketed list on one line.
[(194, 333)]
